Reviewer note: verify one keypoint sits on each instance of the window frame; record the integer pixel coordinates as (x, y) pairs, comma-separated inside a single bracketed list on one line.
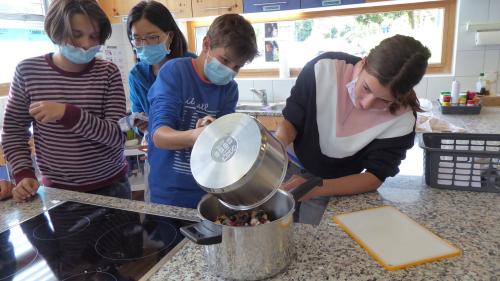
[(449, 6)]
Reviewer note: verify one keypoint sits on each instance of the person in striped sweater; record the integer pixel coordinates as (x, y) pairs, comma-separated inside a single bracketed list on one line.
[(73, 102)]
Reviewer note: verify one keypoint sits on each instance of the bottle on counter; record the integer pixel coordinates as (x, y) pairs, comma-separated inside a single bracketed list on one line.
[(455, 92), (481, 85)]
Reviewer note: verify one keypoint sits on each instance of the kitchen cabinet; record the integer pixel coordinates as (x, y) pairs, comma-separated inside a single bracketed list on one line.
[(255, 6), (326, 3), (179, 8), (203, 8), (116, 9)]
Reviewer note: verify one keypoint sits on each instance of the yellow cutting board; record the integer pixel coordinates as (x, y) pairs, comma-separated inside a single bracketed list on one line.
[(393, 239)]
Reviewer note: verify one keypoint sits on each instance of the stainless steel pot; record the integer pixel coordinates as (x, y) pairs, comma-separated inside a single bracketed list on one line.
[(236, 159), (248, 252)]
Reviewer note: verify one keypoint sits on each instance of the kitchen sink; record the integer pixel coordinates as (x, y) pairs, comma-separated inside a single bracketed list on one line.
[(277, 107), (251, 107)]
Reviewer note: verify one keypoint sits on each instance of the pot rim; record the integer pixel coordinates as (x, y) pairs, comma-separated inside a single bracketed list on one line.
[(290, 212)]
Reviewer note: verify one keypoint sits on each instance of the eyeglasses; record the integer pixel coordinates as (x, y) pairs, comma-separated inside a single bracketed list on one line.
[(146, 40)]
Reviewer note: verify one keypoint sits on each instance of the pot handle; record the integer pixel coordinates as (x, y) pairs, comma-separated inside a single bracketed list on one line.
[(301, 190), (203, 232)]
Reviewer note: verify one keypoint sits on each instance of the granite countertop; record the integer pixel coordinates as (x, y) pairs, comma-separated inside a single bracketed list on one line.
[(485, 122), (469, 220)]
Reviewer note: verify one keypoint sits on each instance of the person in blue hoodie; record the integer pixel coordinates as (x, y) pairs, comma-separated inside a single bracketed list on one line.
[(156, 38), (187, 93)]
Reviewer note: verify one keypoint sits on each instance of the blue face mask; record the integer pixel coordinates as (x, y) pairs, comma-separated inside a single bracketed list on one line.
[(218, 73), (152, 54), (79, 55)]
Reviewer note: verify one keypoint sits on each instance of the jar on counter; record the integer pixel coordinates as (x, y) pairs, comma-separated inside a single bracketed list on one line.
[(462, 99), (445, 97), (471, 103)]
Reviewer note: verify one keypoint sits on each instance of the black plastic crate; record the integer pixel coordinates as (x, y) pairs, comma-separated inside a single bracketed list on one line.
[(460, 109), (462, 161)]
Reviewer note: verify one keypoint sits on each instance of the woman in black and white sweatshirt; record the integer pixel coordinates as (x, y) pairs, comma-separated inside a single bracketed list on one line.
[(351, 120)]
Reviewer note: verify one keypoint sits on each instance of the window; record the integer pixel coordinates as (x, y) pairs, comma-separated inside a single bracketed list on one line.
[(21, 29), (301, 37)]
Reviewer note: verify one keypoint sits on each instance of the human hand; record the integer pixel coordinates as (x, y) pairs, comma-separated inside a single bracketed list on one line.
[(47, 111), (5, 189), (141, 125), (141, 121), (295, 181), (195, 133), (25, 190), (204, 121)]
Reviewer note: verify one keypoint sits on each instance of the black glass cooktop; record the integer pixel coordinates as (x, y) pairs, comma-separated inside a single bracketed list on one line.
[(76, 241)]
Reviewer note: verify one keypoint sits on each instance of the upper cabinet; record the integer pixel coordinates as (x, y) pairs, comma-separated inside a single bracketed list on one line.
[(203, 8), (326, 3), (116, 9), (255, 6), (179, 8)]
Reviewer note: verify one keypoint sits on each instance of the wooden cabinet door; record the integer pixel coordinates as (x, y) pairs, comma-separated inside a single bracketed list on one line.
[(179, 8), (116, 9), (122, 7), (203, 8)]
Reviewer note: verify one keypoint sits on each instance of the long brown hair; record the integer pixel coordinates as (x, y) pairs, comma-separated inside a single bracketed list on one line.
[(399, 62), (58, 20)]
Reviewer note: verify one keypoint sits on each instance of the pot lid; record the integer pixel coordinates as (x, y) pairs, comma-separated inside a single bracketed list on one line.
[(226, 153)]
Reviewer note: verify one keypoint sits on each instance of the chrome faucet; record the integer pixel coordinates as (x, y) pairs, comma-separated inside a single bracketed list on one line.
[(261, 94)]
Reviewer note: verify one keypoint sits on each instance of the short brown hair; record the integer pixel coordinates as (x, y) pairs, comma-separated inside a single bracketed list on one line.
[(58, 20), (399, 62), (234, 32)]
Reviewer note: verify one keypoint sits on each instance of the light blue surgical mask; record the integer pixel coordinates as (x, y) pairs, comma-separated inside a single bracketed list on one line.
[(79, 55), (218, 73), (152, 54)]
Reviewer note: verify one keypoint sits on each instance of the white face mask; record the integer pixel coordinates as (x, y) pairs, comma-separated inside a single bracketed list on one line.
[(352, 95), (350, 90)]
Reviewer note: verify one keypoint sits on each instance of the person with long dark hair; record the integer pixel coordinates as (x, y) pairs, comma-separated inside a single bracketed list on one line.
[(351, 119), (156, 38)]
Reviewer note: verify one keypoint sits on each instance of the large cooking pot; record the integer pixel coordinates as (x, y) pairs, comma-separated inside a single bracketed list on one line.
[(248, 252), (236, 159)]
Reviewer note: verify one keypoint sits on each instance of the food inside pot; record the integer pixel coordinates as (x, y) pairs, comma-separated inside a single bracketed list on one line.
[(244, 218)]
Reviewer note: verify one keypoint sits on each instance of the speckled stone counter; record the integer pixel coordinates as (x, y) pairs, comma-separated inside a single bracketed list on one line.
[(485, 122), (468, 220)]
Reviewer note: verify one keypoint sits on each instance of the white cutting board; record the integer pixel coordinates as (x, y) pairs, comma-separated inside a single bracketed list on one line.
[(393, 239)]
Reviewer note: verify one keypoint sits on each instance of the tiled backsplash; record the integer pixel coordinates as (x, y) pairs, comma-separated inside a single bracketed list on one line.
[(277, 90)]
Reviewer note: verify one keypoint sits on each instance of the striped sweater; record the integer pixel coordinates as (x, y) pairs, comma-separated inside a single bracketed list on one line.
[(84, 150)]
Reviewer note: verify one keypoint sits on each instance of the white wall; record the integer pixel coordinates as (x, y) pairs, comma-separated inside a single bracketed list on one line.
[(469, 60)]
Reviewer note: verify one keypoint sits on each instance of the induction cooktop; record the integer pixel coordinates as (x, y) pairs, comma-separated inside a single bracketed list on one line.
[(76, 241)]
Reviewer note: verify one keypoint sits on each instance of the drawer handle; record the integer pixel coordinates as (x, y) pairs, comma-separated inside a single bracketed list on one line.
[(270, 3), (330, 2), (217, 8)]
